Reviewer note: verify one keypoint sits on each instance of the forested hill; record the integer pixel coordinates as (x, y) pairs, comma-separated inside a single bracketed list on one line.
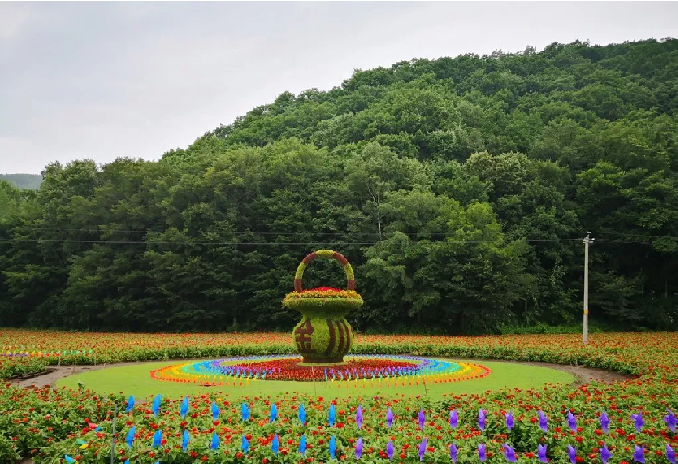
[(23, 181), (460, 189)]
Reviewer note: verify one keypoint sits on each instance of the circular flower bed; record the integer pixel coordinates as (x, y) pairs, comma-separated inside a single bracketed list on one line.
[(376, 368)]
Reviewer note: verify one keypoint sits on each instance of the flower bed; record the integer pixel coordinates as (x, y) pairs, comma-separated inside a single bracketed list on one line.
[(380, 370), (49, 424)]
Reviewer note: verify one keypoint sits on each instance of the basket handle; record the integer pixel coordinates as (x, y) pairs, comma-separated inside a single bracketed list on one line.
[(330, 254)]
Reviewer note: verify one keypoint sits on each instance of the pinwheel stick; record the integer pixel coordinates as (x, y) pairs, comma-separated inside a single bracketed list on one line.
[(115, 416)]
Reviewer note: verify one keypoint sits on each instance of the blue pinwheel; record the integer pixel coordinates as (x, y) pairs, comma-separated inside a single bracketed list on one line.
[(183, 410), (302, 414), (275, 445), (332, 415), (157, 438), (302, 445), (156, 405), (333, 447), (130, 404), (130, 436)]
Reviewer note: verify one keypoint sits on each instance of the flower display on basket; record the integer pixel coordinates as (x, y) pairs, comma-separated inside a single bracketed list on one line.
[(323, 336), (322, 289)]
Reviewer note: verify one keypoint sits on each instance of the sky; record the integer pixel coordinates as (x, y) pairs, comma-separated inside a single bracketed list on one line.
[(132, 79)]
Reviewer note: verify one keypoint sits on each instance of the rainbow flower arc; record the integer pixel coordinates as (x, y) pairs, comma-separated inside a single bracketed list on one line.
[(383, 370)]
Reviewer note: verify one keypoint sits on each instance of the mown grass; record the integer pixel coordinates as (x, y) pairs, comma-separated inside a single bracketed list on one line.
[(135, 379)]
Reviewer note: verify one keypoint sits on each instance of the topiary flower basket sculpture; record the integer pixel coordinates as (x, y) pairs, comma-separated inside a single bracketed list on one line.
[(323, 336)]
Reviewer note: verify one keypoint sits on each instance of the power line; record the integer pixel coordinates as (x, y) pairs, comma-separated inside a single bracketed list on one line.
[(184, 242), (152, 242), (253, 232), (640, 235), (60, 229)]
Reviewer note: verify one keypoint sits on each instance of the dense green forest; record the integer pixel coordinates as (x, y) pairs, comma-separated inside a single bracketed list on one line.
[(459, 188), (23, 181)]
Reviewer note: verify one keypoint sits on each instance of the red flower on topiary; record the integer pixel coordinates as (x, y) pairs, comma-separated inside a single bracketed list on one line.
[(322, 289)]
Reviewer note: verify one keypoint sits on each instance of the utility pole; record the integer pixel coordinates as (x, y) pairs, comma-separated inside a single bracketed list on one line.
[(587, 241)]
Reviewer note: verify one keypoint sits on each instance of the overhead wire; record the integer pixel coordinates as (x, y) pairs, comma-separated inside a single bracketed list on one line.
[(308, 243), (646, 239)]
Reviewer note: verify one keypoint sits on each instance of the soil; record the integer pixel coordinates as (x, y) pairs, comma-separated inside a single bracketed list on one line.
[(582, 374)]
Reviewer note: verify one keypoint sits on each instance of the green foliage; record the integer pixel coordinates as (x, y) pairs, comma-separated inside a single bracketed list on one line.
[(459, 188)]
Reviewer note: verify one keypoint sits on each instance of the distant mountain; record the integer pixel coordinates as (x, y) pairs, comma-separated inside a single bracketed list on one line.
[(24, 181)]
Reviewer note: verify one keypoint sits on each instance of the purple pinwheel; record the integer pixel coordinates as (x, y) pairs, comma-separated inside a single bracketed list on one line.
[(572, 452), (359, 417), (482, 455), (389, 417), (671, 421), (509, 420), (543, 422), (509, 453), (422, 449), (605, 454), (670, 454), (389, 450), (453, 419), (543, 449), (638, 455), (605, 423), (638, 421), (359, 448), (572, 421), (453, 452), (481, 419), (422, 418)]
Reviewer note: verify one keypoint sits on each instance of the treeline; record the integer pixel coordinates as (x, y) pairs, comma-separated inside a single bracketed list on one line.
[(23, 181), (460, 189)]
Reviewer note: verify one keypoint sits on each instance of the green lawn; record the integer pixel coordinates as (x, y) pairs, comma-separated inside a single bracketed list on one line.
[(136, 380)]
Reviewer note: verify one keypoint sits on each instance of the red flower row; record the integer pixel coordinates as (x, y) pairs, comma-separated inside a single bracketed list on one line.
[(289, 368)]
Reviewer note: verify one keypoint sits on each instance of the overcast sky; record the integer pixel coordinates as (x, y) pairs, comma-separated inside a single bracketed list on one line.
[(104, 80)]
